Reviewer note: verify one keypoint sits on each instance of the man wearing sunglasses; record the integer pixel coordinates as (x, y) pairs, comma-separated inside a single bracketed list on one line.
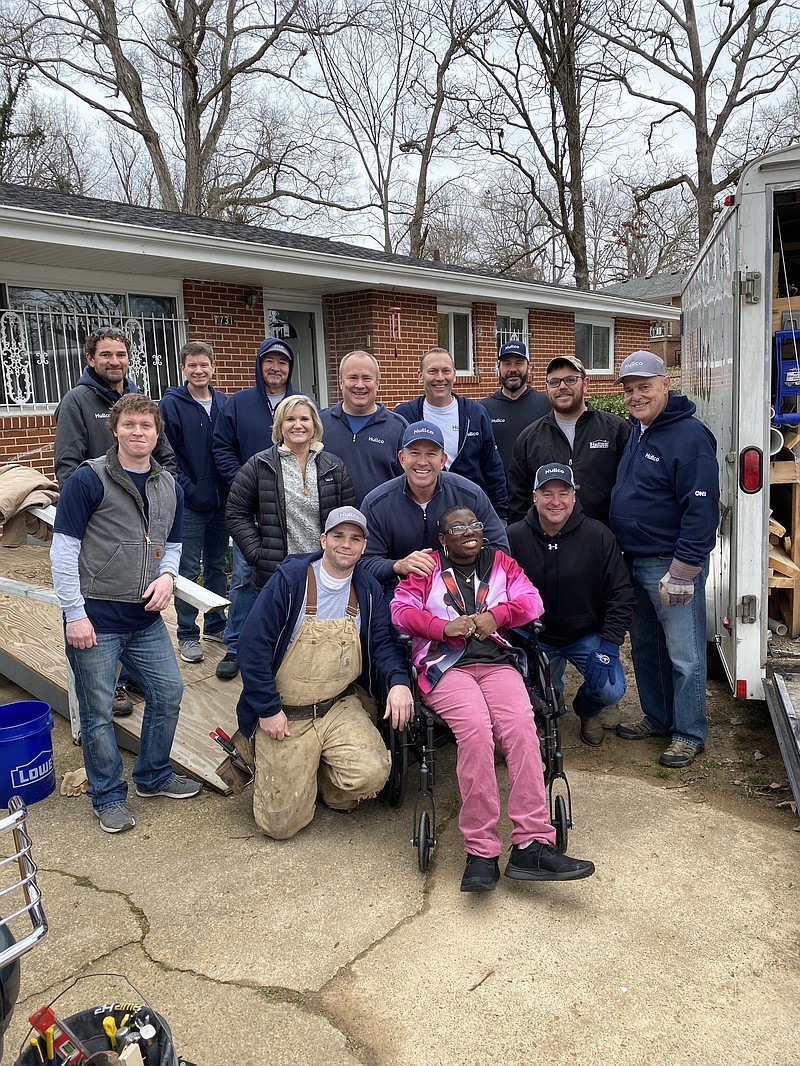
[(589, 441)]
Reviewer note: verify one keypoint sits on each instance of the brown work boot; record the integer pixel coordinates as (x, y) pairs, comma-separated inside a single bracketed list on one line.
[(591, 730)]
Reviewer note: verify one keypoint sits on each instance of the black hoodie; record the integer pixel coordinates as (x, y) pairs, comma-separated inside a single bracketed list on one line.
[(580, 574)]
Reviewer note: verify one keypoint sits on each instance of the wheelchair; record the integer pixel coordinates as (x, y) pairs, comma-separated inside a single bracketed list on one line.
[(426, 733)]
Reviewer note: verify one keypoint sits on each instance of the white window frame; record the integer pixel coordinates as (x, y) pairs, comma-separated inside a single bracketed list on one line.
[(450, 310), (511, 311), (601, 322)]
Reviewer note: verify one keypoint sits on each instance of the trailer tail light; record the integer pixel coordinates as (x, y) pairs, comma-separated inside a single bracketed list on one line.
[(751, 470), (741, 689)]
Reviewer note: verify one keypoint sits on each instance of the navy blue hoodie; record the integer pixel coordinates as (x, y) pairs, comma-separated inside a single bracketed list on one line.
[(477, 458), (244, 426), (189, 429), (666, 498), (370, 455)]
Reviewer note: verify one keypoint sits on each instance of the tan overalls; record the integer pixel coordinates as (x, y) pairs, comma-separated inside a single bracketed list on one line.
[(337, 750)]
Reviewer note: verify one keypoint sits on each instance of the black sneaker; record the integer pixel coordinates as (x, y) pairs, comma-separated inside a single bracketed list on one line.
[(542, 862), (480, 875), (123, 704), (228, 667)]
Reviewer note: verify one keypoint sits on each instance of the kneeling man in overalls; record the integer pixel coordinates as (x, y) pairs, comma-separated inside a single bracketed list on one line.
[(318, 633)]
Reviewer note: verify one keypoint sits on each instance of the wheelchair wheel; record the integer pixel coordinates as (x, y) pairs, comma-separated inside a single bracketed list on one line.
[(561, 824), (394, 791), (423, 842)]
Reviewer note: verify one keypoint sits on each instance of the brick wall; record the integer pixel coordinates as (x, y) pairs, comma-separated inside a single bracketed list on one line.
[(351, 320)]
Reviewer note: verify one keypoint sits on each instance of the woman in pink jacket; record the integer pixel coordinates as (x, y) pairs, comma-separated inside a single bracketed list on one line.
[(470, 675)]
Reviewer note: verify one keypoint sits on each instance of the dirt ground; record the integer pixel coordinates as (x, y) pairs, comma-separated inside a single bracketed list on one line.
[(741, 770)]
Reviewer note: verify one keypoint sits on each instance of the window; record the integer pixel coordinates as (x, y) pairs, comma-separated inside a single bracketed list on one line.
[(511, 325), (594, 343), (455, 334), (43, 332)]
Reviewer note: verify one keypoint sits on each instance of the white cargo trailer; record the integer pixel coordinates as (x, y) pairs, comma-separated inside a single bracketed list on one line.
[(742, 293)]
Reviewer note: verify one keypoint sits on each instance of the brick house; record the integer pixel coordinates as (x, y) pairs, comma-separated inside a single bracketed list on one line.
[(71, 263)]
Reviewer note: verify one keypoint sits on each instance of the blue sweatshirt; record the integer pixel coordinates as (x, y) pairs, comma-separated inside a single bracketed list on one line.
[(666, 497), (477, 457), (244, 426), (370, 454), (397, 525), (266, 636), (189, 430)]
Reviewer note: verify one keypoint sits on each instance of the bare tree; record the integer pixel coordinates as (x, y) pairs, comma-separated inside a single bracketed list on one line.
[(178, 74), (540, 109), (702, 66), (386, 79)]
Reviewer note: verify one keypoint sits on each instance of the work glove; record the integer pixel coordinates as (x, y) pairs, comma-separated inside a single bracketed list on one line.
[(677, 585), (601, 666)]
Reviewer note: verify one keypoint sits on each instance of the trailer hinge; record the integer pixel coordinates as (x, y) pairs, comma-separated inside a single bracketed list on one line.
[(747, 609), (750, 286)]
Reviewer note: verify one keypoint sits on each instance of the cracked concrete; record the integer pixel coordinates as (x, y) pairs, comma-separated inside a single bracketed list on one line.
[(332, 948)]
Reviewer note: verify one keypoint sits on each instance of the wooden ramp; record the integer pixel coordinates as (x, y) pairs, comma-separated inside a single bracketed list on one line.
[(32, 656)]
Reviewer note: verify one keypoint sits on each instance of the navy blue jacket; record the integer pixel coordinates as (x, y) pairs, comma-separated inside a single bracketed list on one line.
[(666, 499), (477, 457), (369, 455), (189, 430), (397, 525), (266, 634), (245, 423)]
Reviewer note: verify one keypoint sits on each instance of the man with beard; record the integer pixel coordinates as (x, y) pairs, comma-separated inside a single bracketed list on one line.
[(574, 433), (516, 404)]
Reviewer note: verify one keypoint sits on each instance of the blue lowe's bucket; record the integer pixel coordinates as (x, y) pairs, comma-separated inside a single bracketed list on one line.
[(26, 751)]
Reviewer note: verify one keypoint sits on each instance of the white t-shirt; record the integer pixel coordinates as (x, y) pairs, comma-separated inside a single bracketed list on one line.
[(205, 404), (446, 418)]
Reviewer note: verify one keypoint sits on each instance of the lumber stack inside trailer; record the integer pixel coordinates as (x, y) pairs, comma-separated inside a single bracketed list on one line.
[(784, 534)]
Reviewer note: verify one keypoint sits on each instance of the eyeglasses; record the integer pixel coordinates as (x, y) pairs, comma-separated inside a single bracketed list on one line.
[(570, 379), (456, 531)]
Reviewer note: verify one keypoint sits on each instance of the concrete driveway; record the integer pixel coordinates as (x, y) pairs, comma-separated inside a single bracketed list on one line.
[(333, 949)]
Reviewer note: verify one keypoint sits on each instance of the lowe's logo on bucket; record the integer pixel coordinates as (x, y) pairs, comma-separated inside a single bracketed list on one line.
[(39, 767)]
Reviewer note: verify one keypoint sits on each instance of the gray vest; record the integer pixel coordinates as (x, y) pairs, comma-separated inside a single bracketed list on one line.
[(121, 551)]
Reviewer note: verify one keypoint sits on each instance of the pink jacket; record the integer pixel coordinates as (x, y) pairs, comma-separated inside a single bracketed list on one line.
[(421, 608)]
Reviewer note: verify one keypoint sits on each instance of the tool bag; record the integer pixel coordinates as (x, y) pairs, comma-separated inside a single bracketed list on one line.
[(87, 1025)]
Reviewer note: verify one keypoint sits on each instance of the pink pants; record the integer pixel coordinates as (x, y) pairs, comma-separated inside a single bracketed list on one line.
[(484, 704)]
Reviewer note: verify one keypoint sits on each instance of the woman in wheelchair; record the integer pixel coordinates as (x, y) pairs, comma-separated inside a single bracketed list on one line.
[(470, 675)]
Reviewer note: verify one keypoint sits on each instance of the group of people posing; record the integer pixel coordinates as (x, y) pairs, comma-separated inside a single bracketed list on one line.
[(448, 519)]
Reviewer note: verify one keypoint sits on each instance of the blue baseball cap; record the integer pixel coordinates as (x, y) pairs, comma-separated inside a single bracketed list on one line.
[(513, 348), (554, 472), (423, 431)]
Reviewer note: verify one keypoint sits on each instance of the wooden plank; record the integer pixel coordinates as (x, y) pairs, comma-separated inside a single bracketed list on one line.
[(791, 437), (775, 528), (793, 547), (780, 561), (779, 581), (783, 473)]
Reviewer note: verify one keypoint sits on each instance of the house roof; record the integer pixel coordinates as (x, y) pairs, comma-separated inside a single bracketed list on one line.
[(44, 228), (656, 287)]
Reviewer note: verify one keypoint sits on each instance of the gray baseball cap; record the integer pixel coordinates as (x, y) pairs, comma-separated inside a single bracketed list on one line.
[(339, 515), (643, 365)]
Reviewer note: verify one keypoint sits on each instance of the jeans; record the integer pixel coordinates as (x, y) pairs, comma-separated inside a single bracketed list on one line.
[(669, 652), (242, 597), (148, 651), (205, 548), (483, 704), (588, 702)]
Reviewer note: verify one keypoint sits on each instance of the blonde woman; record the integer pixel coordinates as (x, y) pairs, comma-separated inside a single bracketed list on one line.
[(281, 497)]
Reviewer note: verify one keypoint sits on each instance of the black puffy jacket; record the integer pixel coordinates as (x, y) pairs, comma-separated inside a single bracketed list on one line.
[(256, 509)]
